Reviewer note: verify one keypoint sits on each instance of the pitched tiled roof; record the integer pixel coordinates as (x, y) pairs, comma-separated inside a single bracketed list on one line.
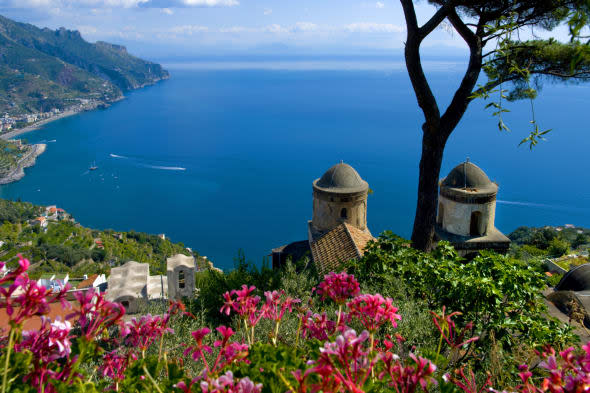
[(56, 310), (341, 244), (88, 282)]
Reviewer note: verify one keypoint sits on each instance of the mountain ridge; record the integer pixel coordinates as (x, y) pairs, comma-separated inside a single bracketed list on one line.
[(42, 69)]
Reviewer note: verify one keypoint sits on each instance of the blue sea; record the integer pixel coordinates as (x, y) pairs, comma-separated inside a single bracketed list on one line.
[(222, 155)]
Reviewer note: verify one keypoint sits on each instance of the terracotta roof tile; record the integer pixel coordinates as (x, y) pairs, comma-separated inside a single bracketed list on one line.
[(88, 282), (359, 238), (56, 310), (341, 244)]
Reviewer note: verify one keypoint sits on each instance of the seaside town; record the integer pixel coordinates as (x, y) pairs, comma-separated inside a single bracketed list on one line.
[(13, 122)]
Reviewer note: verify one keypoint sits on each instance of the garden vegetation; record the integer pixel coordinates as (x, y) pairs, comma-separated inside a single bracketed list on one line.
[(397, 320)]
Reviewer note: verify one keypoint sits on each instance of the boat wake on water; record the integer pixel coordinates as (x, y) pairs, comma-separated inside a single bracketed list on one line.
[(145, 165), (118, 156), (165, 168), (541, 205)]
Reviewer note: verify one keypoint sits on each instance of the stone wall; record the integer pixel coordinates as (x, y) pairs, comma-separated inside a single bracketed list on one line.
[(456, 216), (332, 209)]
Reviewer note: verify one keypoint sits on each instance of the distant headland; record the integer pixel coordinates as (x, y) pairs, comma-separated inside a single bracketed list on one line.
[(50, 74)]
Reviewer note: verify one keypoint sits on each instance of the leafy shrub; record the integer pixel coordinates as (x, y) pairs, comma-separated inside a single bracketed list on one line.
[(500, 294), (95, 350), (558, 247)]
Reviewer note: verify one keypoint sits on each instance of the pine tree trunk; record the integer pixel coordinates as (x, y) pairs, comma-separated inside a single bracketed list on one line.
[(430, 163)]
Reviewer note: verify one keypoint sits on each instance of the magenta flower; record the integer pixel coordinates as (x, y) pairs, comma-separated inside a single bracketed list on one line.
[(51, 349), (114, 366), (373, 311), (145, 331), (225, 331), (95, 313), (227, 384), (275, 306), (468, 383), (339, 287), (446, 327), (197, 350), (24, 298), (344, 364), (317, 326), (407, 378), (49, 343)]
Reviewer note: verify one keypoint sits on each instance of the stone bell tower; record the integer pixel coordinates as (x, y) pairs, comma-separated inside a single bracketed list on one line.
[(180, 276), (339, 196), (467, 209)]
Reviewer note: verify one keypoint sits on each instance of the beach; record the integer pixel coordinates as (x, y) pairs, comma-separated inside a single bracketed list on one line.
[(13, 133)]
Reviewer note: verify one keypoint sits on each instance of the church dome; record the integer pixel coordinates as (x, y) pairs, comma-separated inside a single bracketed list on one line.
[(466, 175), (577, 279), (341, 178)]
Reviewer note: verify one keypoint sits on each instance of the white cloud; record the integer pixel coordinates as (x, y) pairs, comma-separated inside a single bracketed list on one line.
[(189, 29), (209, 3), (380, 4), (367, 27), (235, 29), (267, 11), (87, 30), (303, 27), (167, 11), (163, 4), (275, 28)]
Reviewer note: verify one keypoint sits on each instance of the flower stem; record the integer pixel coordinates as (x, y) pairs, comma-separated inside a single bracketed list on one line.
[(276, 335), (285, 381), (439, 347), (161, 344), (298, 332), (152, 380), (10, 344), (339, 315)]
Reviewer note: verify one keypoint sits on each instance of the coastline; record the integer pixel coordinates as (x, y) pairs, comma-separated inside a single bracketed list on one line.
[(13, 133), (70, 112), (19, 171)]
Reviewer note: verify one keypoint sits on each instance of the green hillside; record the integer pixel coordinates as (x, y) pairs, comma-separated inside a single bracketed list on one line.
[(42, 69), (64, 246)]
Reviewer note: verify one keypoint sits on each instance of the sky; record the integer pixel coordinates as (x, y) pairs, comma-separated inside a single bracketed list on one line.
[(176, 28)]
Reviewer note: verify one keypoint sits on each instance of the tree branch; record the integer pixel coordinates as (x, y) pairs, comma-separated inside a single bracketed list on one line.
[(436, 20), (461, 99), (410, 15), (424, 95)]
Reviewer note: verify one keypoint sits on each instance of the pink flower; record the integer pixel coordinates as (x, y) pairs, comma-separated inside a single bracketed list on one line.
[(373, 311), (344, 364), (95, 314), (446, 327), (317, 326), (468, 383), (227, 384), (145, 331), (407, 378), (275, 306), (225, 331), (32, 299), (339, 287), (228, 305), (51, 349), (114, 366), (197, 350), (49, 343)]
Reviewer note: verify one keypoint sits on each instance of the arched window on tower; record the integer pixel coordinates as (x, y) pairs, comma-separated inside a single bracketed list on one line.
[(343, 213), (181, 279), (441, 214), (474, 227)]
